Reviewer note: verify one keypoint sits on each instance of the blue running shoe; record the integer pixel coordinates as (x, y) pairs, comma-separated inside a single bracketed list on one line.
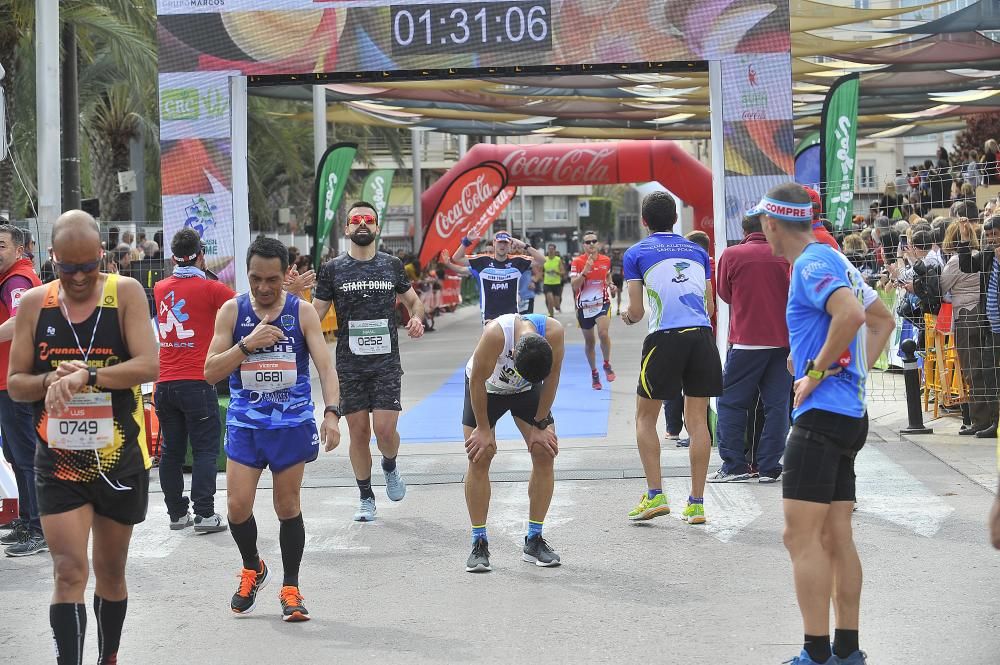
[(856, 658), (804, 659), (395, 488)]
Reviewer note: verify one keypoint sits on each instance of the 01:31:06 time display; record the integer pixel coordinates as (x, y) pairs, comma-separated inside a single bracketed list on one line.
[(431, 29)]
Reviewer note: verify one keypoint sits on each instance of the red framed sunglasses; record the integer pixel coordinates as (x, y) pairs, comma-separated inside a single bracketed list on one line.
[(362, 219)]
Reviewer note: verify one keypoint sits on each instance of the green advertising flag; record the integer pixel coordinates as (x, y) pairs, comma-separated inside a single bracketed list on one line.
[(331, 179), (376, 190), (839, 146)]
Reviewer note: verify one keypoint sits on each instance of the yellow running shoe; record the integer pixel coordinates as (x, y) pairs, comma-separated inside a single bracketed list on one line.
[(650, 508), (694, 513)]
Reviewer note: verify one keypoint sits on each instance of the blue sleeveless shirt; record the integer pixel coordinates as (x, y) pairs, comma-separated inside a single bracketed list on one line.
[(270, 389)]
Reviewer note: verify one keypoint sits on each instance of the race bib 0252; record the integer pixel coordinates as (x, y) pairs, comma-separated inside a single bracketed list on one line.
[(369, 338)]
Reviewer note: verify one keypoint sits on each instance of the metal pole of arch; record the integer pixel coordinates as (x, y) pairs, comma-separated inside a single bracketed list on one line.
[(49, 125), (417, 147)]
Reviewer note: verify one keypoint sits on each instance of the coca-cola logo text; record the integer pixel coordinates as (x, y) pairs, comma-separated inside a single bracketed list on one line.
[(578, 166), (474, 196)]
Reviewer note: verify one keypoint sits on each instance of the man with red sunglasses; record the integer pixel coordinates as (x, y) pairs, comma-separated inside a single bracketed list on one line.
[(363, 285), (590, 275)]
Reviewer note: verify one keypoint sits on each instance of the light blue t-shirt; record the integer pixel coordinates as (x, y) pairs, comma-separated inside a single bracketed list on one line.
[(817, 273), (674, 272)]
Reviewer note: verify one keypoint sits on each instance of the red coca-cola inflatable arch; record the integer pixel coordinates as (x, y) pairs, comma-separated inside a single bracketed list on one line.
[(491, 171)]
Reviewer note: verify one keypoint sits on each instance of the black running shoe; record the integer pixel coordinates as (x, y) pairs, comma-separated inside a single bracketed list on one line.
[(18, 534), (538, 552), (292, 608), (251, 581), (479, 560), (33, 544)]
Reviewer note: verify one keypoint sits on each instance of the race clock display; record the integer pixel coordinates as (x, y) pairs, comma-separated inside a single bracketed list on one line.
[(474, 27)]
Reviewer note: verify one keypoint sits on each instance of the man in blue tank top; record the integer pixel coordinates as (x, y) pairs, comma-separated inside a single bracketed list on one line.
[(837, 330), (263, 341)]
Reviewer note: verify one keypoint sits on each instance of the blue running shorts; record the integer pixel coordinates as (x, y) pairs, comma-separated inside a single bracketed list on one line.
[(278, 449)]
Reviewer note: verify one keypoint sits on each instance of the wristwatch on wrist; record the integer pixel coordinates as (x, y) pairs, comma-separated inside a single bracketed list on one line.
[(335, 410), (466, 242), (814, 373), (91, 376), (544, 422)]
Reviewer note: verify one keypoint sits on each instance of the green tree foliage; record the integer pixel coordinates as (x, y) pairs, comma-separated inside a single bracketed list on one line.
[(979, 128)]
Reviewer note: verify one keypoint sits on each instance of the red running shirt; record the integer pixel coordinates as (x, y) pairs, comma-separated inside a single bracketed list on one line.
[(185, 318), (593, 295)]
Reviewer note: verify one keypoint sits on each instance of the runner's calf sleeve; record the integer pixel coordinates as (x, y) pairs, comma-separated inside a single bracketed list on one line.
[(245, 535), (110, 619), (69, 626), (292, 539)]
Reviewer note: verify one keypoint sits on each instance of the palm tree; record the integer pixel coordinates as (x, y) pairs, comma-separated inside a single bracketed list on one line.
[(118, 36)]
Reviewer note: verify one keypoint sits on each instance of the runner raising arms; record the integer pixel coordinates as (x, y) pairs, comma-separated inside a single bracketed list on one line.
[(82, 346), (362, 285), (263, 341), (500, 275), (515, 368), (552, 282), (590, 276)]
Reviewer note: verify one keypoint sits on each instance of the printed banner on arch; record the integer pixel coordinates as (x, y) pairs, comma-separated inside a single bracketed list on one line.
[(472, 201)]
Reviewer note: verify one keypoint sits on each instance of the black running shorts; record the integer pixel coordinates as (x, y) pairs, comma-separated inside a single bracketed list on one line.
[(370, 391), (554, 289), (618, 280), (521, 405), (680, 359), (819, 456), (587, 324), (125, 505)]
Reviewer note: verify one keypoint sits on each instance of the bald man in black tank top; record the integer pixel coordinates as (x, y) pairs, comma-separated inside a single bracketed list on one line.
[(82, 346)]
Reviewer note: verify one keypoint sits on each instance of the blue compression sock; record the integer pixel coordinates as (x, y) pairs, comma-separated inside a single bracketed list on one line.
[(534, 528), (479, 532), (691, 499), (651, 493)]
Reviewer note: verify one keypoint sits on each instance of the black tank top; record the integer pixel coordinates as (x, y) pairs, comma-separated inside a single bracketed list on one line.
[(55, 343)]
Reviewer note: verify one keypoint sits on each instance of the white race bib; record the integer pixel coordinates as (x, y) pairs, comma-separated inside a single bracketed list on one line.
[(87, 423), (269, 372), (369, 338), (592, 308)]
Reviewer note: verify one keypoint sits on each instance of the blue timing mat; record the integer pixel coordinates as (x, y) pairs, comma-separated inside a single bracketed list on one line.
[(580, 411)]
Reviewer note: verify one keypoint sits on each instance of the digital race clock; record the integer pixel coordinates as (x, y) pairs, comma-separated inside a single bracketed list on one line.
[(471, 27)]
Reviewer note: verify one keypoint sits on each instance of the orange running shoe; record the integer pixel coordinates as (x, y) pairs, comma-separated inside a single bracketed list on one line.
[(292, 608), (251, 581)]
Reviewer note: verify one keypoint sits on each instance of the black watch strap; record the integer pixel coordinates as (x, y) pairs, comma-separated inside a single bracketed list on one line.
[(91, 376), (544, 422), (335, 410)]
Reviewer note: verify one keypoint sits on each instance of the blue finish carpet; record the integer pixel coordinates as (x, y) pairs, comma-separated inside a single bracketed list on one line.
[(579, 410)]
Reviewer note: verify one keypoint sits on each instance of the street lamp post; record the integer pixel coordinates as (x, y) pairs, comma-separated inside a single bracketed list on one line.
[(47, 114)]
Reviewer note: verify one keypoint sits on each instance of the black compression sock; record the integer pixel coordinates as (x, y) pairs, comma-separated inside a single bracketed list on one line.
[(818, 647), (292, 539), (388, 464), (366, 488), (845, 642), (110, 619), (69, 627), (245, 535)]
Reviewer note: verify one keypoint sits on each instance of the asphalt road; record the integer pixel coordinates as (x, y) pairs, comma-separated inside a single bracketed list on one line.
[(665, 592)]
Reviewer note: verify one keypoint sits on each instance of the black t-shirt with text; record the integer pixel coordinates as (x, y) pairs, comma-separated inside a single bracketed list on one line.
[(363, 294)]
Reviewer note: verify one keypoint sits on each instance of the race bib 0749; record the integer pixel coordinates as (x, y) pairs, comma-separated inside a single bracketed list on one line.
[(269, 372), (369, 338), (87, 423)]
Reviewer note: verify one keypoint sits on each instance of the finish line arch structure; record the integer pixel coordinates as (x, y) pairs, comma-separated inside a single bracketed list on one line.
[(553, 164), (210, 50)]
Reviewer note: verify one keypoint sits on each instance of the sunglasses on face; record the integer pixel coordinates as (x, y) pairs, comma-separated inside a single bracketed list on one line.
[(356, 220), (589, 242), (73, 268)]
